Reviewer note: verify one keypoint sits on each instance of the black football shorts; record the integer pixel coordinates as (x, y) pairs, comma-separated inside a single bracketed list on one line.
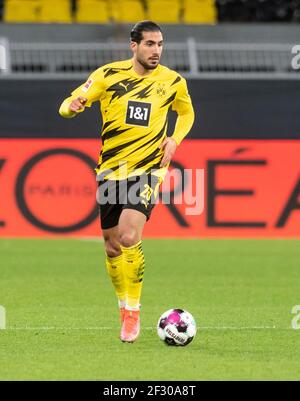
[(138, 193)]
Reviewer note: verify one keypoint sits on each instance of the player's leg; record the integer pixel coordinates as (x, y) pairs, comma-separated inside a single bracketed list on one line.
[(109, 217), (115, 265), (131, 224)]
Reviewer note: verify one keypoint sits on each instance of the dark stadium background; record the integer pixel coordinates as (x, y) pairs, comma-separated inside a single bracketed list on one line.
[(234, 266)]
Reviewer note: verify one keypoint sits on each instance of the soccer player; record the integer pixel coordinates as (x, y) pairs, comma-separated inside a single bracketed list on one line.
[(135, 96)]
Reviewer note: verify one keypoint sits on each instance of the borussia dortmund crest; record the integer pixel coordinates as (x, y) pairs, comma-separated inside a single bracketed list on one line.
[(161, 90)]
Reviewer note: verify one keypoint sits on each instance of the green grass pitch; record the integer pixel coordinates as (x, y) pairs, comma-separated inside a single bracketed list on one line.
[(63, 323)]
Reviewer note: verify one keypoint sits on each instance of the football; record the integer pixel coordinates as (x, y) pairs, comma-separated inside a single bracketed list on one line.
[(176, 327)]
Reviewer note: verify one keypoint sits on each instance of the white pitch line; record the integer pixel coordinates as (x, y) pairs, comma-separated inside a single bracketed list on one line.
[(48, 328), (244, 328), (99, 328)]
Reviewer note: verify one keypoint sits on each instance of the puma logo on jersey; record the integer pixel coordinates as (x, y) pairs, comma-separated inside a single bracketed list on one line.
[(124, 86)]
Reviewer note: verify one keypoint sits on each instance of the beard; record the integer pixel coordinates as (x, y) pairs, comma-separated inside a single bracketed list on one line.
[(146, 65)]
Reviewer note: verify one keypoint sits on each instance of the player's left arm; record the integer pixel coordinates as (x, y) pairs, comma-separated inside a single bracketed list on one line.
[(183, 106)]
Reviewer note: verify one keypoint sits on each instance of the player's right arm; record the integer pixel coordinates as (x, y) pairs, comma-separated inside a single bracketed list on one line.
[(84, 96), (71, 107)]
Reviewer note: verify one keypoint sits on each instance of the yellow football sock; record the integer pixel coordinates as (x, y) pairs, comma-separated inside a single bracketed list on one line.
[(115, 270), (134, 265)]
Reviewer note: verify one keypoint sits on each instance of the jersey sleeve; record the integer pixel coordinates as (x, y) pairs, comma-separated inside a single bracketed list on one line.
[(92, 89), (182, 103)]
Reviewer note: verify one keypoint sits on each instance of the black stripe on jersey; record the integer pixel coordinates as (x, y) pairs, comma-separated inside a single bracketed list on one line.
[(156, 138), (113, 132), (148, 159), (144, 93), (123, 87), (107, 124), (152, 140), (176, 80), (154, 167), (102, 175), (169, 100), (114, 151), (111, 71)]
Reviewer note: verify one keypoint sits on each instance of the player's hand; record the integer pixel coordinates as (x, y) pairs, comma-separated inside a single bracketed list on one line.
[(169, 146), (77, 105)]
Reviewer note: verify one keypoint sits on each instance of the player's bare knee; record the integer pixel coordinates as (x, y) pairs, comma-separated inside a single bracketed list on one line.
[(112, 248), (129, 237)]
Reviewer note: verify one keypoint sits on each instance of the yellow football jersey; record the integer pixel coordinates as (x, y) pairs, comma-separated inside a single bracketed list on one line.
[(134, 110)]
